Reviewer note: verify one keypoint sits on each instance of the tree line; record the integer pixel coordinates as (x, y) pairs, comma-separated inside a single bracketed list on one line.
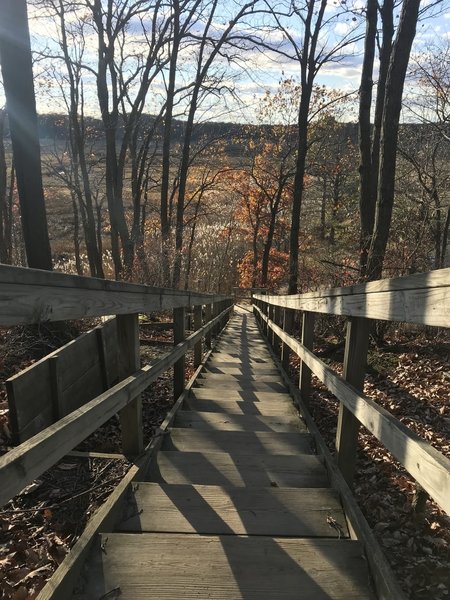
[(169, 197)]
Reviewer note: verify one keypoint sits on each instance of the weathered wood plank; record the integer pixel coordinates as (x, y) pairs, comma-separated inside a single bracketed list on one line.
[(23, 464), (355, 362), (217, 379), (129, 362), (61, 584), (34, 296), (221, 422), (171, 566), (255, 386), (386, 585), (250, 470), (422, 298), (243, 395), (428, 466), (238, 442), (241, 407), (219, 510)]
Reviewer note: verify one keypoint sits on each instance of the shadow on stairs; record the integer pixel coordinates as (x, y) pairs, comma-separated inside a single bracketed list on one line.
[(237, 504)]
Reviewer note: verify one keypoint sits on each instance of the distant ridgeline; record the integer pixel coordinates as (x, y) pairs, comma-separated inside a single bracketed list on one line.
[(235, 135)]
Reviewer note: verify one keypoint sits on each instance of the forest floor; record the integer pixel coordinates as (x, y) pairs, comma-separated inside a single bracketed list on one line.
[(408, 375)]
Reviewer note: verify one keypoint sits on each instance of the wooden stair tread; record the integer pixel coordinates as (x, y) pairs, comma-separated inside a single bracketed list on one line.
[(218, 378), (204, 393), (168, 566), (241, 407), (229, 422), (216, 363), (238, 442), (219, 510), (264, 386), (252, 372), (251, 470)]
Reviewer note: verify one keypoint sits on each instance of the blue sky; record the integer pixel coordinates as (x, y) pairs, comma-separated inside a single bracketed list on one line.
[(256, 72)]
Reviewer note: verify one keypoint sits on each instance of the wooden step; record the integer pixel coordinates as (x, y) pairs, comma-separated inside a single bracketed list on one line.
[(223, 357), (204, 393), (224, 422), (250, 470), (265, 386), (211, 509), (238, 442), (219, 378), (243, 407), (173, 566), (215, 364), (240, 370)]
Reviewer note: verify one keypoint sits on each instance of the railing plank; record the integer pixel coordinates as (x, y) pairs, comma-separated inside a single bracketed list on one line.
[(355, 360), (428, 466), (422, 298), (304, 381), (34, 296), (23, 464), (179, 335), (130, 362)]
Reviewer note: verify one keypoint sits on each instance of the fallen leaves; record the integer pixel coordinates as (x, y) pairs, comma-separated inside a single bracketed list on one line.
[(414, 385)]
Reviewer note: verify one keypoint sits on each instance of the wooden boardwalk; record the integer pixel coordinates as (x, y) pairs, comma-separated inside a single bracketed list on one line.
[(237, 503)]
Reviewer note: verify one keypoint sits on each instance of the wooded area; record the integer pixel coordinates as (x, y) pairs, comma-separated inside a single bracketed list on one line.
[(170, 198)]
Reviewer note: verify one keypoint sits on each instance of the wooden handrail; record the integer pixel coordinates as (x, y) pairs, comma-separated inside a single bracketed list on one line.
[(422, 298), (34, 296), (428, 466), (23, 464)]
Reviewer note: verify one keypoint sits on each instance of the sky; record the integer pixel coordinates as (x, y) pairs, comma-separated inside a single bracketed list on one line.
[(254, 72)]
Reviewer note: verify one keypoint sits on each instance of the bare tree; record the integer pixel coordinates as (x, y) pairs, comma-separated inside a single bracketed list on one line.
[(16, 63)]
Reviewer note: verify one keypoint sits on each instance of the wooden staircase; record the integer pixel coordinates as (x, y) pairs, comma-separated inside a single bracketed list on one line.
[(237, 503)]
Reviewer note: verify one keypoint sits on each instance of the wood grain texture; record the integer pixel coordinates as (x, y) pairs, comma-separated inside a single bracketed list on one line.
[(34, 296), (428, 466), (236, 407), (23, 464), (250, 470), (223, 422), (422, 298), (172, 566), (61, 584), (81, 374), (244, 395), (238, 442), (386, 585), (226, 510)]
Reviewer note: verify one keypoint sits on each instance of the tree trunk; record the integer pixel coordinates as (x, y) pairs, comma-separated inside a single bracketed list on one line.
[(17, 71), (392, 107), (366, 201)]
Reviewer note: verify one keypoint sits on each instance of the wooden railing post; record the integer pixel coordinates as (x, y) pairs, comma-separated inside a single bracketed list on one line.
[(179, 335), (197, 325), (304, 382), (355, 360), (277, 320), (270, 333), (129, 362), (266, 314), (208, 316), (288, 326)]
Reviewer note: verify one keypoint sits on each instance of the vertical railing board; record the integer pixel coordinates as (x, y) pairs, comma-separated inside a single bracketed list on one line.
[(277, 314), (288, 327), (304, 383), (355, 360), (208, 317), (179, 335), (129, 363), (197, 325)]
